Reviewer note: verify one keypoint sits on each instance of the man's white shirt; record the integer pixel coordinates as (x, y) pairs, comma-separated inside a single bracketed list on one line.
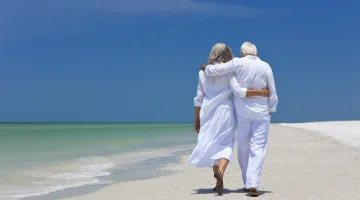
[(251, 73)]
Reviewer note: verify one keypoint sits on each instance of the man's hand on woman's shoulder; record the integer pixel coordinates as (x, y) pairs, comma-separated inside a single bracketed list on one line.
[(203, 67)]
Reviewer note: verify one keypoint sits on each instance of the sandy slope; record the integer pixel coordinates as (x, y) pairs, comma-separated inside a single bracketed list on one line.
[(347, 132), (299, 165)]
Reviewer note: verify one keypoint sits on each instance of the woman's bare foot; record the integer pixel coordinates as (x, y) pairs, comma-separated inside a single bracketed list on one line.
[(217, 182), (220, 183)]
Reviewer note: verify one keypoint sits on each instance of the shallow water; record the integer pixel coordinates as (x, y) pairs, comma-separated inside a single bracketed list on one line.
[(37, 159)]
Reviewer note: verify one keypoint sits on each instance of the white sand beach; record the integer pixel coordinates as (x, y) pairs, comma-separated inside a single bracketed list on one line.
[(299, 165), (344, 131)]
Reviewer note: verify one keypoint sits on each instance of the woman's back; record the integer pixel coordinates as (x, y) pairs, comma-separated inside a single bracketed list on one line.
[(214, 86)]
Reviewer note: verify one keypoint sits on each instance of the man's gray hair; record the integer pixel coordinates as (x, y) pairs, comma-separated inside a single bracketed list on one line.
[(248, 48), (220, 53)]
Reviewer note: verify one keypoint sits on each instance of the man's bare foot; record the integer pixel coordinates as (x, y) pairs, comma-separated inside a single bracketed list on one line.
[(254, 192)]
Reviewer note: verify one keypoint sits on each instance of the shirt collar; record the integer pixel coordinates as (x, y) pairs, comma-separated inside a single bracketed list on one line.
[(252, 57)]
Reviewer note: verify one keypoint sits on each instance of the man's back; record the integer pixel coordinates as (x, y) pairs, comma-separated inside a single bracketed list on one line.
[(252, 73)]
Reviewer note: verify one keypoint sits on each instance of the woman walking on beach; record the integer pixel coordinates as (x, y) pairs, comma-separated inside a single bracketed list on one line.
[(214, 116)]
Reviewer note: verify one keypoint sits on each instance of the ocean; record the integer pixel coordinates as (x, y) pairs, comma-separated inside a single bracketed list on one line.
[(42, 158)]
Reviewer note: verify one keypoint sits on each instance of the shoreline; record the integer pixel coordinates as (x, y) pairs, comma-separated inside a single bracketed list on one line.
[(50, 158), (294, 157), (116, 176)]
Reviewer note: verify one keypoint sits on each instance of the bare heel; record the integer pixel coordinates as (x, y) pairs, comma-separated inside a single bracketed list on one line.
[(219, 188)]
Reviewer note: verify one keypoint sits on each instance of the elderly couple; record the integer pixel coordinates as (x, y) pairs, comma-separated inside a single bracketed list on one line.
[(252, 83)]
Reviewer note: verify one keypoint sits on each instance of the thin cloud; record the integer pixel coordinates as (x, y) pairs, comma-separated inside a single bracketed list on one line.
[(172, 7), (22, 17), (21, 8)]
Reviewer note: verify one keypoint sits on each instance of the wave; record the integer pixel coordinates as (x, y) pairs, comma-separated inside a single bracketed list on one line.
[(51, 189), (85, 171), (76, 173), (89, 168)]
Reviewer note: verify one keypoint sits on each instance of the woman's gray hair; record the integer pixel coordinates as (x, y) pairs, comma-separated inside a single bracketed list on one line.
[(220, 53)]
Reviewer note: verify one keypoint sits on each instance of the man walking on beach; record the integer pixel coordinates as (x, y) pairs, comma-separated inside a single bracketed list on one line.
[(253, 113)]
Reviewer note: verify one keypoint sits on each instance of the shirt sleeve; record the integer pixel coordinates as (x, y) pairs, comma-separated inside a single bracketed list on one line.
[(273, 98), (199, 95), (235, 86), (220, 69)]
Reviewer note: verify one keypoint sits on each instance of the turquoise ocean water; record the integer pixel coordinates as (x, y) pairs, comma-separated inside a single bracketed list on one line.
[(40, 158)]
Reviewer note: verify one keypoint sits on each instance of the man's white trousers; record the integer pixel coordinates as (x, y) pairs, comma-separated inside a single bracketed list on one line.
[(252, 142)]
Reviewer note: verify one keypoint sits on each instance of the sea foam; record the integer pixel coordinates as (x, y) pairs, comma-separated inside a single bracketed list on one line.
[(79, 172), (84, 171)]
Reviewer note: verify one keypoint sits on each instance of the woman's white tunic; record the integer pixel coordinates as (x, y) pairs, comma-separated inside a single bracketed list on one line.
[(217, 119)]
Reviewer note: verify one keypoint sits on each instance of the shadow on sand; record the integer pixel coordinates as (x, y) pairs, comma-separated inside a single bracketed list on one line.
[(226, 191)]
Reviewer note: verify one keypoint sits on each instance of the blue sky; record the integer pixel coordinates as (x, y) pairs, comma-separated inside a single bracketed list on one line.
[(138, 60)]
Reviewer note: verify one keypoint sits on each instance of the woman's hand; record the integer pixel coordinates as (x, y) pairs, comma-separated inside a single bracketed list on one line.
[(197, 125), (197, 119), (265, 92)]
